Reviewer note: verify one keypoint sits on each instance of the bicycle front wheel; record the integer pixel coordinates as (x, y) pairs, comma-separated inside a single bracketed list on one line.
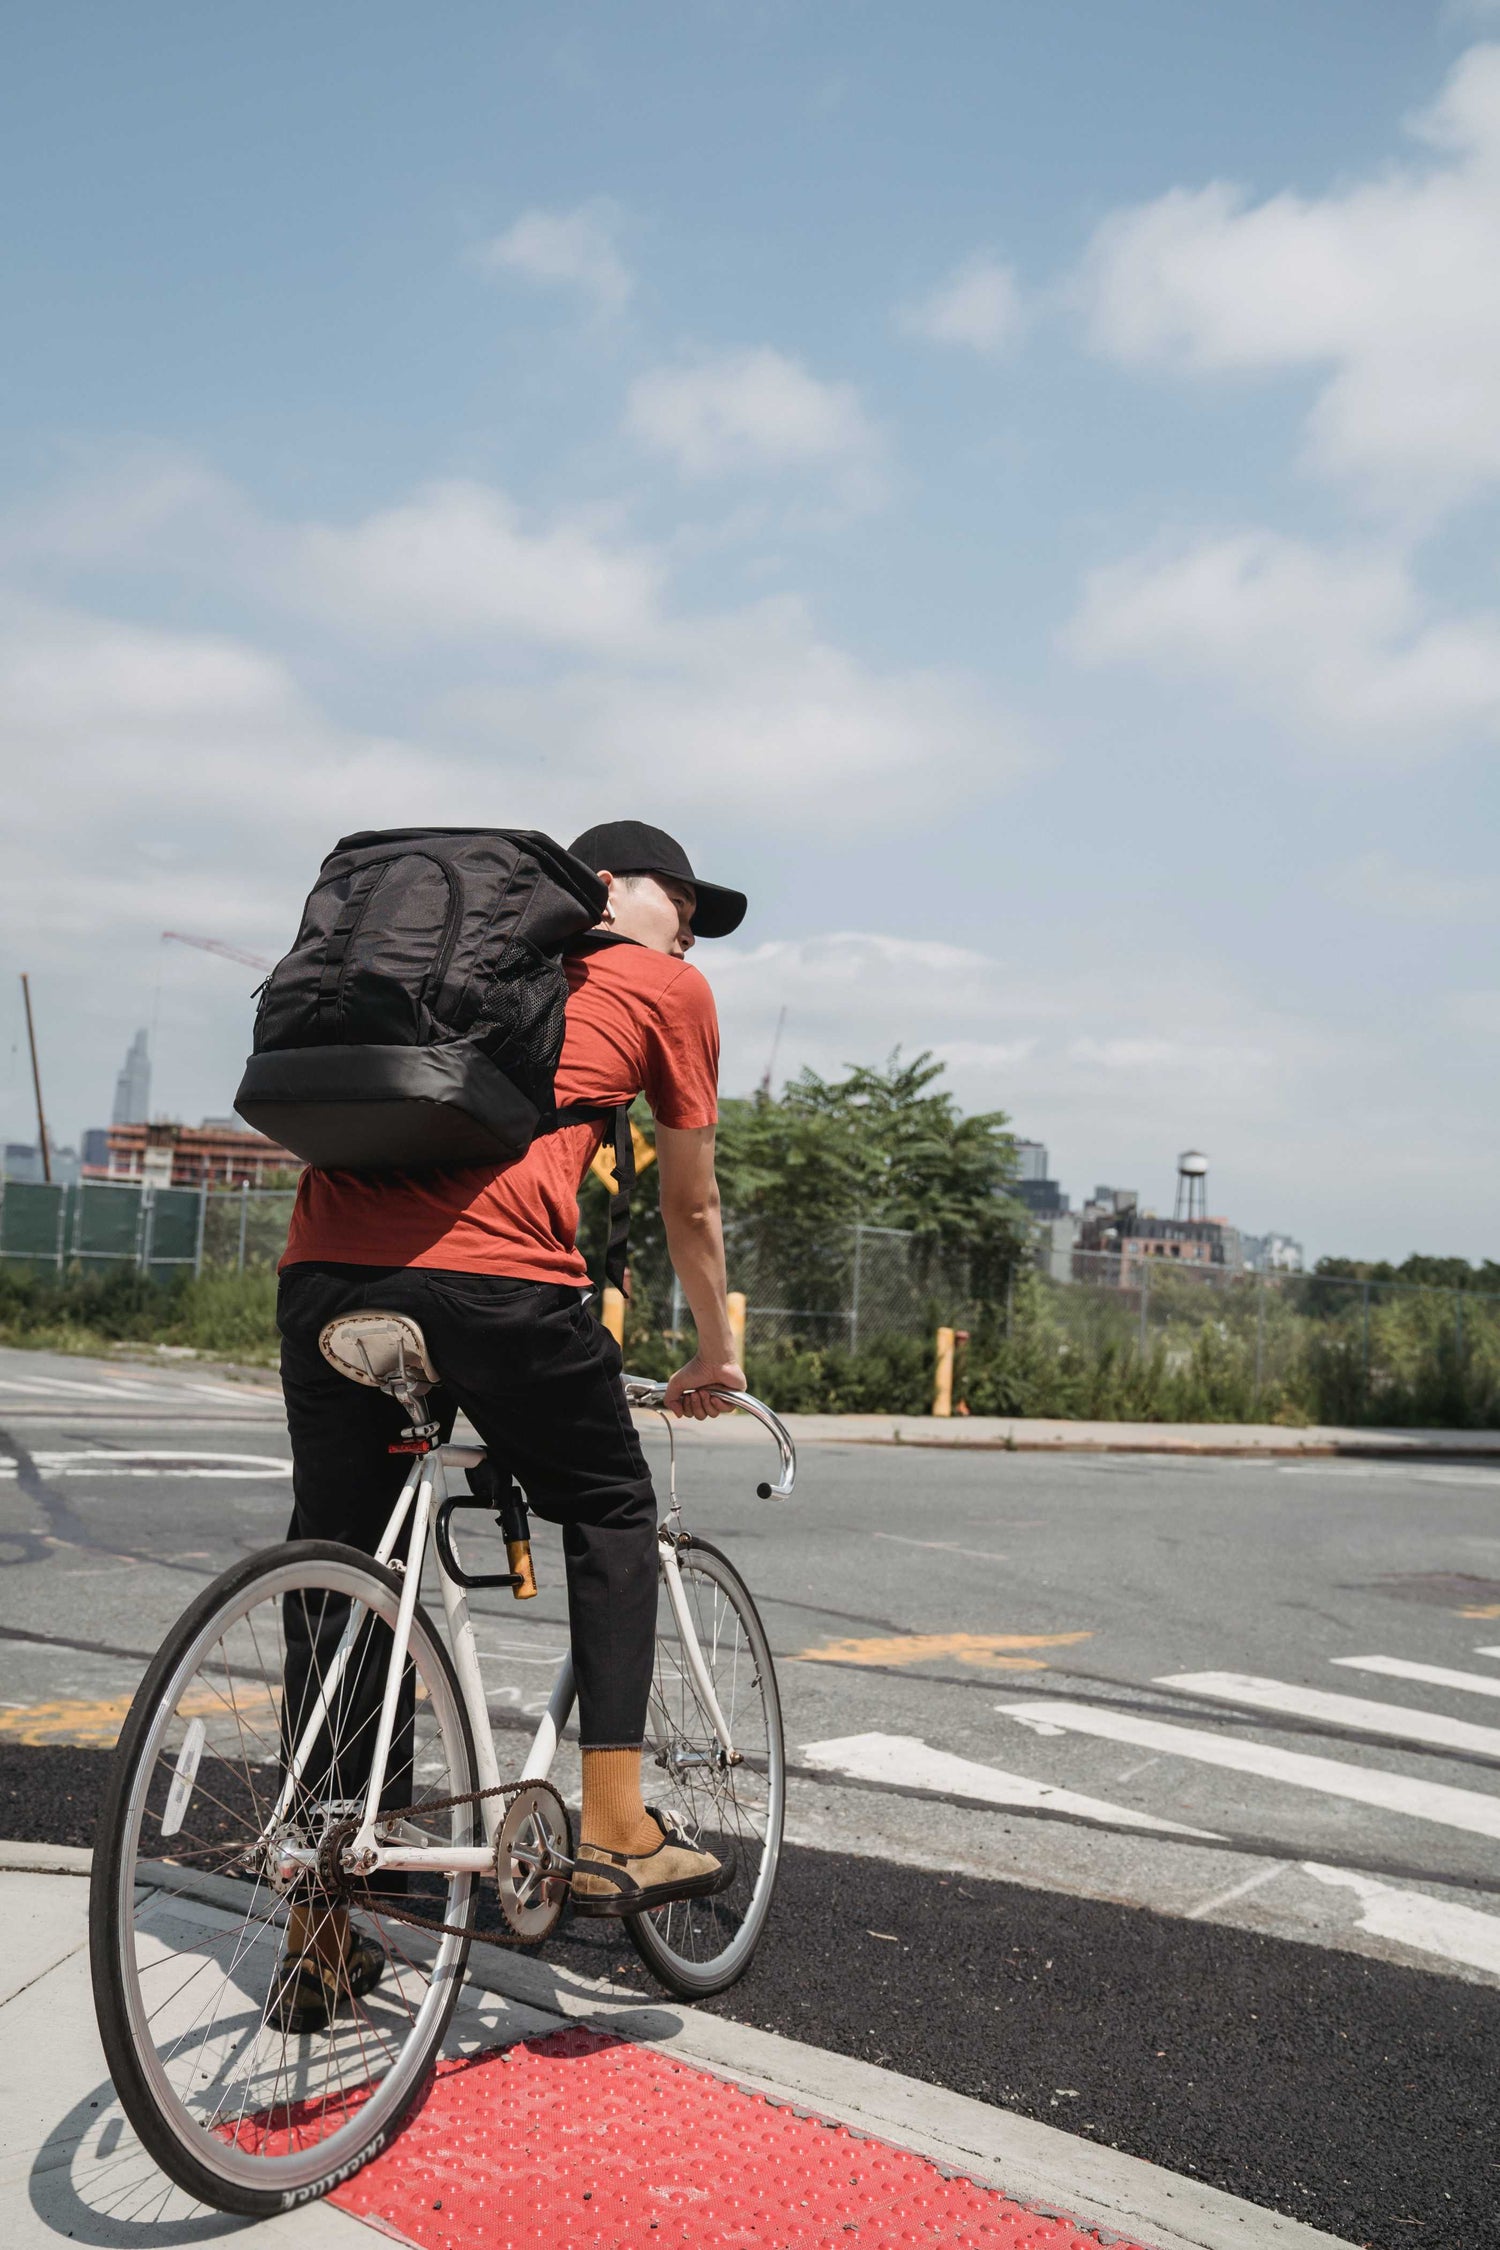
[(200, 1898), (699, 1946)]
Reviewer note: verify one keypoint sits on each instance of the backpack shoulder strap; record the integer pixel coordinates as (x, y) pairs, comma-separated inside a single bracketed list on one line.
[(618, 1246)]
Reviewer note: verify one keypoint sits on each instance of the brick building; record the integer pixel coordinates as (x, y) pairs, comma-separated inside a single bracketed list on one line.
[(1115, 1224)]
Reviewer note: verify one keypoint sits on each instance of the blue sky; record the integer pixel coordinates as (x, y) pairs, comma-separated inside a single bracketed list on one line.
[(1013, 486)]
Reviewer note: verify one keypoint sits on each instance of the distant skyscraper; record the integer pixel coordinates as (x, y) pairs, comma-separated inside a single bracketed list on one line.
[(133, 1086), (1031, 1161)]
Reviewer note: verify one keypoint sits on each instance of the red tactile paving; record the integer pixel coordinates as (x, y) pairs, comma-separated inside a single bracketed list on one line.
[(583, 2142)]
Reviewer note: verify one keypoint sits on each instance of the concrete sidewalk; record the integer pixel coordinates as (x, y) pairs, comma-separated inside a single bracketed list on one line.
[(71, 2170), (1017, 1434)]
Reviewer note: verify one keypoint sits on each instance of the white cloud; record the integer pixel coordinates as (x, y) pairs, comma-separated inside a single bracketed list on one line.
[(566, 249), (978, 306), (1474, 1015), (750, 410), (1387, 285), (1378, 883), (190, 779), (756, 714), (1267, 1091), (1334, 643), (455, 562)]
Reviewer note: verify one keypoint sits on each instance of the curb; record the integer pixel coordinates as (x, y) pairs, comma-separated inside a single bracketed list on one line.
[(1247, 1441), (1056, 2173), (44, 1859)]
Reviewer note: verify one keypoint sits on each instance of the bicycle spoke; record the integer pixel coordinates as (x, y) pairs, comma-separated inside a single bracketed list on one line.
[(227, 2097)]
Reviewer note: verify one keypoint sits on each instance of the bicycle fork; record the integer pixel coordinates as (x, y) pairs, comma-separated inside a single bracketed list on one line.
[(698, 1672)]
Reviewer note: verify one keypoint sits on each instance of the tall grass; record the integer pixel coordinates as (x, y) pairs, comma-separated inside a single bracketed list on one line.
[(222, 1314)]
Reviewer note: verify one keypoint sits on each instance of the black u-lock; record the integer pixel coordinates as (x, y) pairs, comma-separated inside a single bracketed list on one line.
[(507, 1503)]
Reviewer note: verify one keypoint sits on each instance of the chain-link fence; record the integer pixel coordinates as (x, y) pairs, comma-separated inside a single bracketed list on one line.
[(850, 1318), (852, 1288), (1123, 1337), (95, 1225)]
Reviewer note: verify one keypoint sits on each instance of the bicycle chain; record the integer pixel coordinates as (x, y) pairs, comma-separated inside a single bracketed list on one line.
[(387, 1911)]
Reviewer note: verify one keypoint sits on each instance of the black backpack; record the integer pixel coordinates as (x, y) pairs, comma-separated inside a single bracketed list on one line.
[(418, 1019)]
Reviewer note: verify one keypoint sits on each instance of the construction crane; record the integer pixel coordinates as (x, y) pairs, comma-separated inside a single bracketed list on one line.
[(217, 945)]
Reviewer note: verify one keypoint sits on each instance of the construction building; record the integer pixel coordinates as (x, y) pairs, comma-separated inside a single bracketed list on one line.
[(216, 1154)]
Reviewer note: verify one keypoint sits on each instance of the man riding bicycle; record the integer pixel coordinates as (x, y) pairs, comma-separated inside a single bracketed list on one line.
[(486, 1261)]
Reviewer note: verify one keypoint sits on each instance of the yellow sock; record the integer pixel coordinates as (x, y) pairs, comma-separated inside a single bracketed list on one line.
[(614, 1814)]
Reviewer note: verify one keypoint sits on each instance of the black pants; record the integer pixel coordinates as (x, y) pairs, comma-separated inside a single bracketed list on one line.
[(540, 1381)]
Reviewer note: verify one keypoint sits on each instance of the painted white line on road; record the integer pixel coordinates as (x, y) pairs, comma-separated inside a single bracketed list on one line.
[(1431, 1925), (906, 1762), (160, 1463), (238, 1392), (940, 1546), (1340, 1710), (1487, 1652), (1436, 1675), (1363, 1785), (1207, 1906), (58, 1386)]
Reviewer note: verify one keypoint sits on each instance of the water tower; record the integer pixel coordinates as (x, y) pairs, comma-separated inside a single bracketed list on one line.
[(1192, 1185)]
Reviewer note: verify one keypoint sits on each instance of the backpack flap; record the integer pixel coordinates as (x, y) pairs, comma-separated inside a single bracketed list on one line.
[(419, 1017)]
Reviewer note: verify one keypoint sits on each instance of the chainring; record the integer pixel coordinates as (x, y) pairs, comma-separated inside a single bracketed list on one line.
[(533, 1861)]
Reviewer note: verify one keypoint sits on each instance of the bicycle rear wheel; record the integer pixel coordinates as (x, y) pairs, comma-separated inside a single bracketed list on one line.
[(699, 1946), (192, 1890)]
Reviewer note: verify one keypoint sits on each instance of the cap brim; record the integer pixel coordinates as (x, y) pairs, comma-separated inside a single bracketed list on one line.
[(718, 911)]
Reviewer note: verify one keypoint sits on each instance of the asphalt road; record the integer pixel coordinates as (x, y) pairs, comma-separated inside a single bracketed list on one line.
[(1096, 1814)]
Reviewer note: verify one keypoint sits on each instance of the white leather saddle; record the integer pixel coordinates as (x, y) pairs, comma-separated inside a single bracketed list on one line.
[(387, 1350)]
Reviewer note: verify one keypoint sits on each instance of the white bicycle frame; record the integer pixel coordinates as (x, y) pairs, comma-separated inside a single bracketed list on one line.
[(423, 1493)]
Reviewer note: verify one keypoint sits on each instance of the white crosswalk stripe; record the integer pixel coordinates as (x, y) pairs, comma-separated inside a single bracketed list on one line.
[(1435, 1675), (1430, 1925), (906, 1762), (1395, 1719), (1435, 1801)]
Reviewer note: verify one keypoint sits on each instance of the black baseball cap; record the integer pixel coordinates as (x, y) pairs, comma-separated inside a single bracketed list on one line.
[(632, 847)]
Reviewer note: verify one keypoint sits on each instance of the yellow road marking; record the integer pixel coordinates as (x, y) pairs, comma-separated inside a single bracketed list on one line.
[(1490, 1609), (986, 1650), (96, 1725)]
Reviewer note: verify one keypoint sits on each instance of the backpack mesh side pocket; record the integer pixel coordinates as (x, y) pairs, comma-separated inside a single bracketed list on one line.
[(521, 1020)]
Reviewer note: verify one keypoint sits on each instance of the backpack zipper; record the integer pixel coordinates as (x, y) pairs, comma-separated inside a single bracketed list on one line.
[(432, 984)]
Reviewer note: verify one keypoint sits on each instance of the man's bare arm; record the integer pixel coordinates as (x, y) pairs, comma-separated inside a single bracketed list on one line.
[(695, 1239)]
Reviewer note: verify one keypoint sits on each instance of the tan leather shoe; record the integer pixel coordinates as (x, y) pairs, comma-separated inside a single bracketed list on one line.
[(325, 1964), (616, 1883)]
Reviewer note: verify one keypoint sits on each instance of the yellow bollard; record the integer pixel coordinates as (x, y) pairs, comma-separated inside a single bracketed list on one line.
[(736, 1304), (612, 1314), (942, 1389)]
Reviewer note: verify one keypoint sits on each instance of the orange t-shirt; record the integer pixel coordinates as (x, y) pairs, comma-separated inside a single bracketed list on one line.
[(637, 1022)]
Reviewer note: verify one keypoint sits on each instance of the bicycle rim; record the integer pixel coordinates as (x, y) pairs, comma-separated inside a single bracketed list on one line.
[(699, 1946), (189, 1910)]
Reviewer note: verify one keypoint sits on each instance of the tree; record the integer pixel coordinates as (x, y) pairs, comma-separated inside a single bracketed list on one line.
[(879, 1148)]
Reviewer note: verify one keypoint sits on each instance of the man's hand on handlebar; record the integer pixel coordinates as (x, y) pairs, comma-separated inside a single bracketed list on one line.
[(686, 1392)]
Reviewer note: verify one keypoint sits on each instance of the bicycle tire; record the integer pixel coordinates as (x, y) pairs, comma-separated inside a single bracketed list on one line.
[(191, 2149), (702, 1946)]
